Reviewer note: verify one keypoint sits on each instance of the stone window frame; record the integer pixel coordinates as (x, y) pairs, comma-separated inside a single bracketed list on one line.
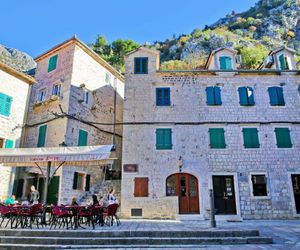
[(83, 183), (43, 88), (267, 185), (60, 89), (289, 126), (258, 133), (292, 192)]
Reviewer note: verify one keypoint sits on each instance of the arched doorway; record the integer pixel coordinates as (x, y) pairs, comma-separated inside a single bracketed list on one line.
[(185, 186)]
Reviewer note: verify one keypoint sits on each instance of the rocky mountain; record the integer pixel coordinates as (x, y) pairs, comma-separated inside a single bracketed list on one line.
[(16, 59), (269, 24)]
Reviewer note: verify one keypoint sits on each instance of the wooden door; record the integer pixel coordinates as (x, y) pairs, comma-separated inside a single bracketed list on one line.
[(296, 190), (1, 143), (185, 186), (224, 194)]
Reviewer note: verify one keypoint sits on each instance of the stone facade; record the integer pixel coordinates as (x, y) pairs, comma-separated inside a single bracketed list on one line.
[(190, 119), (80, 73), (17, 86)]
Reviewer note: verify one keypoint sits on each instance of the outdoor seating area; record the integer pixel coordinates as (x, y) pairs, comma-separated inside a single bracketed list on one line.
[(57, 217)]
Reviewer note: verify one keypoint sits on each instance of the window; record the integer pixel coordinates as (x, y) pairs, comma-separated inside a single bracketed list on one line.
[(283, 61), (52, 63), (141, 187), (42, 136), (276, 96), (259, 185), (56, 89), (250, 138), (78, 181), (225, 62), (246, 96), (213, 96), (82, 138), (283, 138), (163, 97), (171, 190), (86, 97), (217, 138), (5, 104), (107, 77), (41, 95), (87, 182), (141, 65), (163, 138), (9, 143)]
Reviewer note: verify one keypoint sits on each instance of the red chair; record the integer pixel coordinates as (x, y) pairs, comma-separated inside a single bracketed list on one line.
[(110, 215), (9, 213), (86, 213), (27, 215), (62, 216)]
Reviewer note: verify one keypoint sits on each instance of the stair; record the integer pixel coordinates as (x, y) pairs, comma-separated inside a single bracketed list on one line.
[(38, 239)]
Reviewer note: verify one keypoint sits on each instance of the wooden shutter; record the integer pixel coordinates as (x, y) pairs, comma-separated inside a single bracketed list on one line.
[(137, 65), (280, 98), (5, 104), (250, 138), (141, 187), (52, 63), (217, 138), (9, 143), (283, 138), (144, 65), (167, 99), (222, 60), (228, 61), (243, 96), (163, 138), (75, 179), (210, 96), (159, 97), (159, 138), (217, 94), (87, 182), (82, 138), (42, 136), (282, 62), (273, 96), (250, 95)]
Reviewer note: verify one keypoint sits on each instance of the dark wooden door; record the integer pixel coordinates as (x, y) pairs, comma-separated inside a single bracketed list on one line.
[(224, 194), (53, 190), (296, 189), (186, 187), (1, 143)]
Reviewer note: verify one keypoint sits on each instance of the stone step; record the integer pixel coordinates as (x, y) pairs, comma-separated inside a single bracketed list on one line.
[(125, 233), (125, 241)]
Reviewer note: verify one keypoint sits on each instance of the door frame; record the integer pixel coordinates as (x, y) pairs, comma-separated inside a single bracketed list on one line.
[(237, 195), (198, 189), (292, 193)]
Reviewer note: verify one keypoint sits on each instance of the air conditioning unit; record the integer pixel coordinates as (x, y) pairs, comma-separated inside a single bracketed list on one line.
[(238, 59), (268, 61)]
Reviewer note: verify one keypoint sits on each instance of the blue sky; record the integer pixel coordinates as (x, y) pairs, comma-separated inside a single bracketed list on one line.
[(33, 26)]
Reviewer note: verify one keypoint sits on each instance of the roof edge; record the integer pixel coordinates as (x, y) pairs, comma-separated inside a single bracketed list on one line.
[(18, 74)]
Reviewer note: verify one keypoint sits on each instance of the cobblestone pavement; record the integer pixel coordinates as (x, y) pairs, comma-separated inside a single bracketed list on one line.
[(286, 234)]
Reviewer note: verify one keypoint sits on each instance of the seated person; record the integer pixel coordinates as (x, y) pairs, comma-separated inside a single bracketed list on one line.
[(111, 197), (10, 201), (74, 202), (95, 200)]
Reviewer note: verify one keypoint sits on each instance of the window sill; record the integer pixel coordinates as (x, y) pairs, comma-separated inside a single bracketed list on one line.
[(260, 197)]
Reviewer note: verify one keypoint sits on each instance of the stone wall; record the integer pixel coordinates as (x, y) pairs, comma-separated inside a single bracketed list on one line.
[(11, 127), (191, 142)]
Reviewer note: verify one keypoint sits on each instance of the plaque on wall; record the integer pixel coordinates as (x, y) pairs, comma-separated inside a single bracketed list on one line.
[(130, 168)]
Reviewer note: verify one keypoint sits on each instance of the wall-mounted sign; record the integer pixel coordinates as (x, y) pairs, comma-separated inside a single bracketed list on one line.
[(130, 168)]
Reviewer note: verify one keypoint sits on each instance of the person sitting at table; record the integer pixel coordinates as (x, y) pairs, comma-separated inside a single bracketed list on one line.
[(95, 200), (111, 198), (74, 202), (34, 195), (10, 200)]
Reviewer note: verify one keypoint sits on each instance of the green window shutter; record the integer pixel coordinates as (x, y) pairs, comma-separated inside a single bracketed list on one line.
[(282, 62), (42, 136), (250, 95), (228, 63), (210, 96), (75, 179), (217, 94), (5, 104), (217, 138), (144, 65), (9, 143), (273, 96), (222, 60), (137, 65), (52, 63), (283, 138), (280, 97), (82, 139), (246, 96), (141, 65), (163, 138), (250, 138)]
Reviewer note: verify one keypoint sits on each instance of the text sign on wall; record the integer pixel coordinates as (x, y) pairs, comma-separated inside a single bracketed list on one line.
[(130, 168)]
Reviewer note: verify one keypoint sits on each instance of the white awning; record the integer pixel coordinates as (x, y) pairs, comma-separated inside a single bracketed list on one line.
[(71, 156)]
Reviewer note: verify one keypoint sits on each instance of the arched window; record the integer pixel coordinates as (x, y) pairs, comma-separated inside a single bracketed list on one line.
[(170, 191)]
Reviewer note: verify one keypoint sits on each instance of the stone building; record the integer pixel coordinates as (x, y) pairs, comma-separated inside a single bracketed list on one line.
[(223, 128), (14, 97), (75, 89)]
